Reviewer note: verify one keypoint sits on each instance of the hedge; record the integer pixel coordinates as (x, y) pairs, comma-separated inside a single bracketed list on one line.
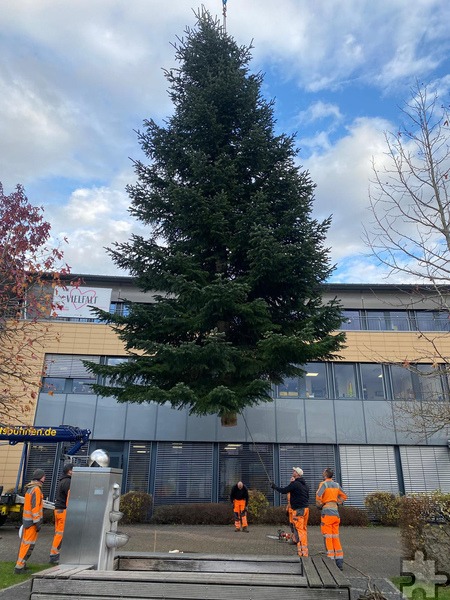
[(222, 514)]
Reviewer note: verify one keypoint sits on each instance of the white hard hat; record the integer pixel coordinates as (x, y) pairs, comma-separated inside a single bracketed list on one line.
[(98, 458)]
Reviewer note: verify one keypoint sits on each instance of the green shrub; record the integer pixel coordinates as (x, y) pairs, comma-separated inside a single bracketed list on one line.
[(222, 514), (257, 506), (314, 516), (193, 514), (136, 507), (275, 515), (353, 516), (417, 511), (383, 507)]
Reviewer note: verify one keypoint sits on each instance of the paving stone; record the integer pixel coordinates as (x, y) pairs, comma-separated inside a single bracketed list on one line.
[(369, 551)]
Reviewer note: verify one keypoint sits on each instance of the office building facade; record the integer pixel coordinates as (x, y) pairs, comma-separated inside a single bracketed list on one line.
[(343, 414)]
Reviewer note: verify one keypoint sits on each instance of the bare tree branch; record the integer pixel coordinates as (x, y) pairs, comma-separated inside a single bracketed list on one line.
[(410, 234)]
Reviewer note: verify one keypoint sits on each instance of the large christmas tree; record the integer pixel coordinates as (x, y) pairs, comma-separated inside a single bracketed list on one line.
[(236, 259)]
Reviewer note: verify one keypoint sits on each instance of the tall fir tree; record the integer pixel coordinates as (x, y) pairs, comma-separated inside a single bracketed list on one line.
[(236, 259)]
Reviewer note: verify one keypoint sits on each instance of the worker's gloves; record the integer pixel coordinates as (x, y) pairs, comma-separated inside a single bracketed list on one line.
[(38, 525), (272, 485)]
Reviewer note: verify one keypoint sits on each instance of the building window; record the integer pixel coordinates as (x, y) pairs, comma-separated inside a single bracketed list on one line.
[(183, 473), (430, 383), (119, 308), (398, 320), (314, 382), (375, 320), (432, 320), (289, 388), (345, 380), (351, 320), (403, 386), (372, 378), (82, 386), (53, 385), (249, 463)]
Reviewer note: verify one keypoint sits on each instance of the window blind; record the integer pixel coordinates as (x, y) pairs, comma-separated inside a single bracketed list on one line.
[(183, 473), (367, 469)]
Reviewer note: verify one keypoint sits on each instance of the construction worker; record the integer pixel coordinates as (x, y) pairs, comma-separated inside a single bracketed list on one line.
[(239, 498), (328, 496), (61, 501), (299, 499), (33, 513), (290, 513)]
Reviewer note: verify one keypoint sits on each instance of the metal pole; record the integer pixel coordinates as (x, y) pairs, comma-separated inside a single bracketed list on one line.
[(224, 12)]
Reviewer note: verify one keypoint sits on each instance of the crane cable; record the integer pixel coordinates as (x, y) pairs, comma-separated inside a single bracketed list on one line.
[(371, 592), (256, 448)]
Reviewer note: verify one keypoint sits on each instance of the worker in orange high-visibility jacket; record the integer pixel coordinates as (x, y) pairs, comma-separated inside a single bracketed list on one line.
[(61, 502), (33, 512), (239, 498), (328, 496)]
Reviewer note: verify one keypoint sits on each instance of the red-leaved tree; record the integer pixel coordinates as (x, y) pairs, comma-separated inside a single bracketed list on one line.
[(29, 270)]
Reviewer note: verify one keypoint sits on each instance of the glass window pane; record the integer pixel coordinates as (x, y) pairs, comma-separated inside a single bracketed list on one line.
[(53, 385), (119, 308), (399, 320), (376, 320), (402, 383), (116, 360), (424, 320), (352, 320), (345, 380), (372, 381), (430, 383), (82, 386), (432, 320), (314, 383), (289, 388)]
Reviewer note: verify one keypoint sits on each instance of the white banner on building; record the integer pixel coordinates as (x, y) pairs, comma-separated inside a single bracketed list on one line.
[(74, 301)]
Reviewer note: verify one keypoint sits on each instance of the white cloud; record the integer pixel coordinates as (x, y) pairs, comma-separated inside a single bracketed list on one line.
[(320, 110), (92, 220), (76, 77), (323, 44), (342, 173)]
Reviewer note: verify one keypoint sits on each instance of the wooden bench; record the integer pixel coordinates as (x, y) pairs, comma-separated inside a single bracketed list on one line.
[(322, 572), (158, 576)]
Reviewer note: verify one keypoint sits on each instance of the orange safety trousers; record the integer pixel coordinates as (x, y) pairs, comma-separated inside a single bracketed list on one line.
[(329, 527), (27, 542), (240, 514), (300, 524), (60, 521), (292, 526)]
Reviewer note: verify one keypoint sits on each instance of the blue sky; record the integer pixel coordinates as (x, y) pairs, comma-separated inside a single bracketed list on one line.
[(77, 77)]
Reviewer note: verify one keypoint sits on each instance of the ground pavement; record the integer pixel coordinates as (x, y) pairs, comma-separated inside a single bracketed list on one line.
[(369, 551)]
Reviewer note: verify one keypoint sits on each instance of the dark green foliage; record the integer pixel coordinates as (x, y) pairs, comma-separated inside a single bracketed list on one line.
[(136, 507), (383, 507), (257, 505), (352, 516), (222, 514), (275, 515), (193, 514), (232, 250)]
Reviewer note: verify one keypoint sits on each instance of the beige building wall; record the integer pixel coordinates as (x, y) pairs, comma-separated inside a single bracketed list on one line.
[(396, 347), (62, 338)]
